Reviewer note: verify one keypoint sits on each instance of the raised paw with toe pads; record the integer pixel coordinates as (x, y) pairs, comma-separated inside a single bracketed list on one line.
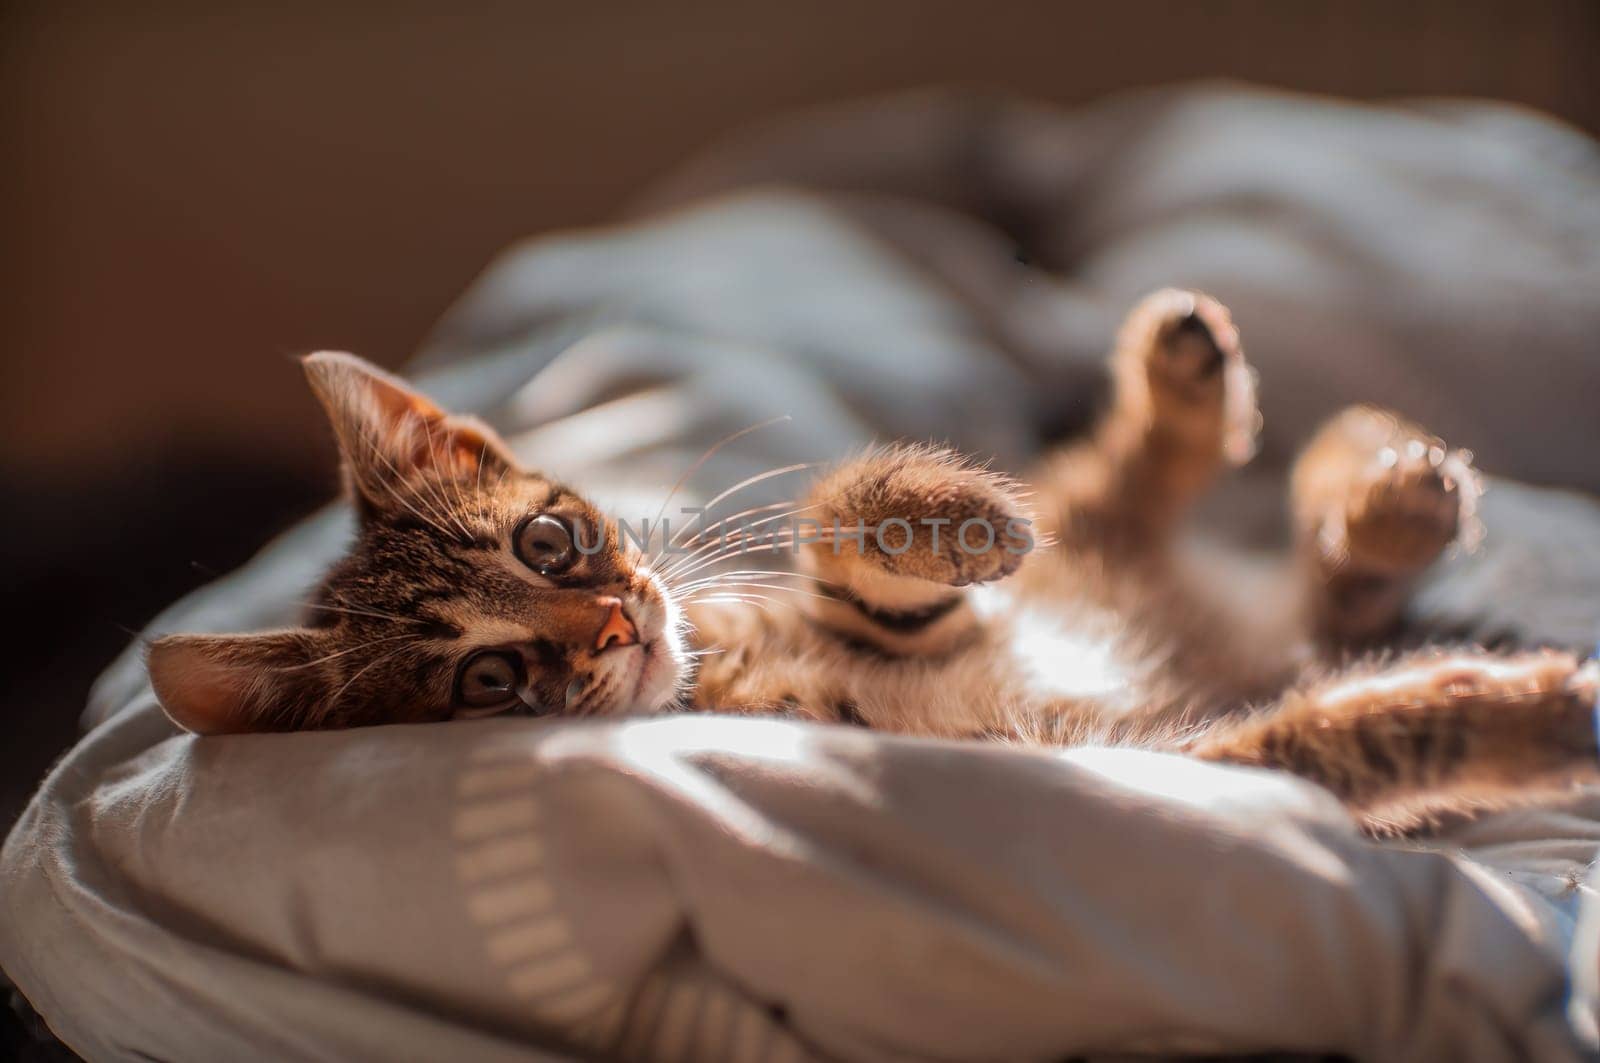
[(924, 514), (1178, 354)]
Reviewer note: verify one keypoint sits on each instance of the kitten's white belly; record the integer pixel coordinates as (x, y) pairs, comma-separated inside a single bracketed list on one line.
[(1033, 657), (1059, 652)]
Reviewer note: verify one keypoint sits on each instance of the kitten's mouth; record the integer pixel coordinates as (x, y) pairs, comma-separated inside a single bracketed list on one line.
[(659, 665), (644, 683), (657, 674)]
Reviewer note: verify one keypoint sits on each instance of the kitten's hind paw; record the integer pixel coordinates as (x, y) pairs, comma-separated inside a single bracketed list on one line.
[(1412, 506), (1405, 496), (1179, 366)]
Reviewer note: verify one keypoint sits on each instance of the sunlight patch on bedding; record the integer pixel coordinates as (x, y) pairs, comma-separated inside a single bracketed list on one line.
[(499, 857), (1213, 788), (771, 740), (664, 749), (488, 818)]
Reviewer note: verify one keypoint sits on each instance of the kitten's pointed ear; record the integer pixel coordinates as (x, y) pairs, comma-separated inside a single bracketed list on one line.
[(233, 684), (388, 432)]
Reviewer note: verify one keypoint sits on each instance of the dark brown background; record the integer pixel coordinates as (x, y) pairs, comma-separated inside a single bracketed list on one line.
[(194, 193)]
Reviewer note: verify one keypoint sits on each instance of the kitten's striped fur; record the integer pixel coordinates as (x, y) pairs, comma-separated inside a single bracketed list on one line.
[(1101, 634)]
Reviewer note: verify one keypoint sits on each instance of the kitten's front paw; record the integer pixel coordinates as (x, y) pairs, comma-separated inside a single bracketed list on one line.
[(920, 513), (1178, 363)]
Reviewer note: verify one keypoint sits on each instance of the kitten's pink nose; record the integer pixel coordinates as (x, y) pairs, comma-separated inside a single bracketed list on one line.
[(618, 630)]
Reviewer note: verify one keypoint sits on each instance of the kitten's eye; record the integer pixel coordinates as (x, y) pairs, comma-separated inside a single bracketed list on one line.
[(488, 679), (544, 543)]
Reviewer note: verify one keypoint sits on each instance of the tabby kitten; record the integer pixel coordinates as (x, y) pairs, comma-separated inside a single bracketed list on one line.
[(476, 587)]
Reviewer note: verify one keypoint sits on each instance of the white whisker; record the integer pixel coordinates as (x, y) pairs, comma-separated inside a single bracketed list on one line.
[(710, 452), (761, 477), (679, 540), (762, 544), (737, 584), (350, 649), (443, 486), (687, 559), (356, 612), (393, 489), (483, 517), (734, 599), (334, 699)]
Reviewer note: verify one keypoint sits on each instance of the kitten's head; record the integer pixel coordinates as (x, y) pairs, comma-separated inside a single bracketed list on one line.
[(474, 587)]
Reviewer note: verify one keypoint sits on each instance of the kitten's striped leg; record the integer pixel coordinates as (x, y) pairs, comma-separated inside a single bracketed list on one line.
[(1433, 732), (1183, 408), (1376, 500), (905, 530)]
